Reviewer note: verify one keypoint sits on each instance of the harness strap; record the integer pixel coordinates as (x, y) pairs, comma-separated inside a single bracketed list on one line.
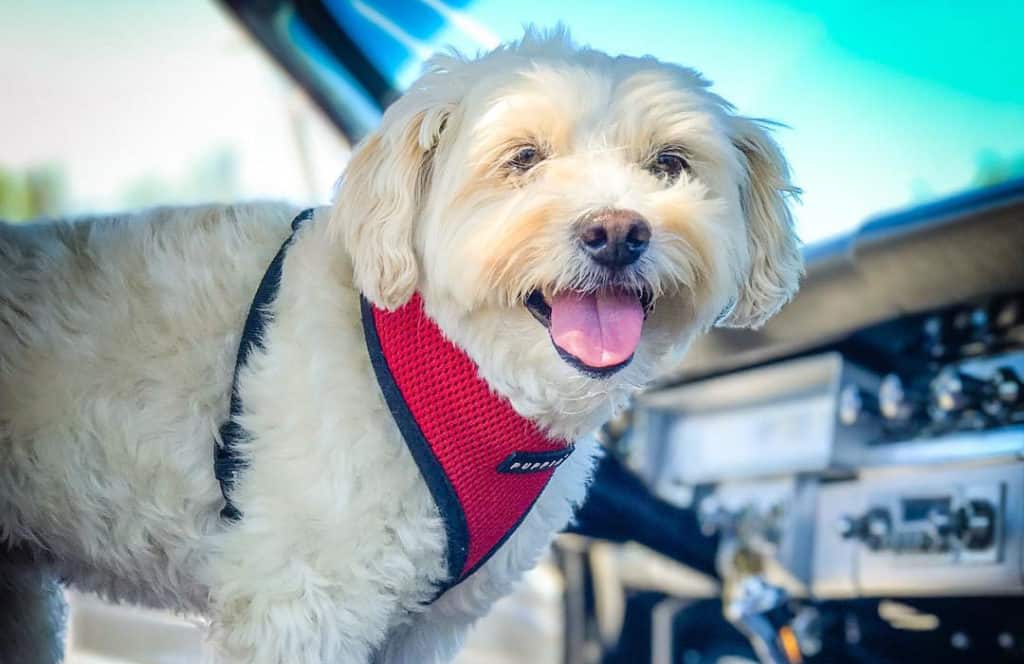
[(484, 464), (227, 459)]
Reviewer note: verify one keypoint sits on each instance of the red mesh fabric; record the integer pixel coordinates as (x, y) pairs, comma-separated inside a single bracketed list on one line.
[(470, 429)]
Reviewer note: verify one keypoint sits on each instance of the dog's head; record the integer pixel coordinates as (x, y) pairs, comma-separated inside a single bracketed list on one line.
[(571, 219)]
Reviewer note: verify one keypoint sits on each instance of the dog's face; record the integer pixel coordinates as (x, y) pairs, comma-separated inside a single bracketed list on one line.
[(572, 220)]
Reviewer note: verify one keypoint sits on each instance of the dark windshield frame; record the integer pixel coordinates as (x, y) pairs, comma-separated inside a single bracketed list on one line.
[(267, 21)]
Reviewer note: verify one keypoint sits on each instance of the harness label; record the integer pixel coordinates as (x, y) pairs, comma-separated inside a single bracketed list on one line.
[(533, 462)]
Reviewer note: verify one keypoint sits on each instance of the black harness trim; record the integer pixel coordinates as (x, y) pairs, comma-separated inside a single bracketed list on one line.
[(441, 489), (227, 458)]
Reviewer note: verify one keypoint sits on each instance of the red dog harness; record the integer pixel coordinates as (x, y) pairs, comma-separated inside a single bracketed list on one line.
[(485, 464)]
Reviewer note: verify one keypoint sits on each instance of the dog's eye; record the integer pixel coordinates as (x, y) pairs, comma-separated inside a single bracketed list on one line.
[(669, 164), (525, 158)]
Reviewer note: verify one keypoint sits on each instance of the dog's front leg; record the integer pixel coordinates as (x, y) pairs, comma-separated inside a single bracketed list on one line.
[(297, 616), (271, 603)]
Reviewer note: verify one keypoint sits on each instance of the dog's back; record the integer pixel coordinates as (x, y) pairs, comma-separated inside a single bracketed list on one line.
[(117, 342)]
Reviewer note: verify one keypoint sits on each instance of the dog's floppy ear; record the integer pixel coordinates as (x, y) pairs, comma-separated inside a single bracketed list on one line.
[(381, 195), (775, 261)]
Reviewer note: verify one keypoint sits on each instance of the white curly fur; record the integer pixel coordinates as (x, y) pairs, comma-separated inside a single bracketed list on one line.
[(118, 336)]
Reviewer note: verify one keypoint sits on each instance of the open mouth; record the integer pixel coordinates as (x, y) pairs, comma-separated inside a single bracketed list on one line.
[(596, 331)]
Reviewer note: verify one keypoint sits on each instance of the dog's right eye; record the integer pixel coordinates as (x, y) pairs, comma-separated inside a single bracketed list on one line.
[(525, 158), (669, 164)]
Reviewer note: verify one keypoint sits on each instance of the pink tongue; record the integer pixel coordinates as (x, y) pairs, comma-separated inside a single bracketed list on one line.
[(598, 329)]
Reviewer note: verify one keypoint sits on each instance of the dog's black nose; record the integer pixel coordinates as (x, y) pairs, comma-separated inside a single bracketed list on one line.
[(615, 238)]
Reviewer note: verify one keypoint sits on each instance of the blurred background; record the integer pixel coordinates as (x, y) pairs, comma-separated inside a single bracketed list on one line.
[(844, 485)]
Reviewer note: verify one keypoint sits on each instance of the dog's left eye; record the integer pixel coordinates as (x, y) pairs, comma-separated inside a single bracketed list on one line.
[(669, 164), (525, 158)]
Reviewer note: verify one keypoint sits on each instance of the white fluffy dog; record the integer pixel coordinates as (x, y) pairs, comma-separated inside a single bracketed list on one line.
[(570, 220)]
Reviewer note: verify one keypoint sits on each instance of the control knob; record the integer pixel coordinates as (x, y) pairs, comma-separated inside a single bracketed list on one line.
[(975, 524), (855, 403), (873, 529), (935, 333), (1006, 392), (955, 391), (898, 402)]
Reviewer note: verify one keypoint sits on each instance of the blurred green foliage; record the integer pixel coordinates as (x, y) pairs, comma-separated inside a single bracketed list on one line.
[(42, 191), (32, 193)]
